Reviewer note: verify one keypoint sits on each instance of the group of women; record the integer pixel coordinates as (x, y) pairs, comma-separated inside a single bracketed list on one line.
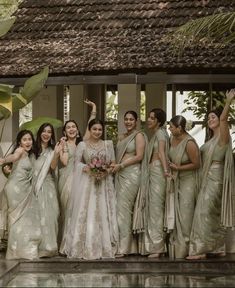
[(150, 198)]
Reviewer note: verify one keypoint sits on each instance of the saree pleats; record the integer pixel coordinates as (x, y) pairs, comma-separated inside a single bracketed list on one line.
[(154, 235), (64, 189), (184, 185), (207, 233), (127, 185), (215, 210), (24, 232), (185, 200)]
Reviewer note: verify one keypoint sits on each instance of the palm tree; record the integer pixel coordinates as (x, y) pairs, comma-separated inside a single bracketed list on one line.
[(219, 28)]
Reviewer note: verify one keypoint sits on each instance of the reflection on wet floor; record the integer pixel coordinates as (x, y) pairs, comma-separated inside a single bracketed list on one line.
[(100, 279)]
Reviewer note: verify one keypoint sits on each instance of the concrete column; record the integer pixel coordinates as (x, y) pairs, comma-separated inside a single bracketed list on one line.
[(155, 96), (128, 99), (78, 111), (49, 103), (45, 103)]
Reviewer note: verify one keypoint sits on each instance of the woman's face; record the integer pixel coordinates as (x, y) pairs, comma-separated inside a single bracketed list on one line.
[(46, 135), (26, 142), (129, 122), (213, 121), (175, 131), (96, 131), (152, 122), (71, 130)]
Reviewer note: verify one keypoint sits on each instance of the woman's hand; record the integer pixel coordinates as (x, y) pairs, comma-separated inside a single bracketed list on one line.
[(58, 148), (116, 167), (173, 166), (90, 103), (86, 169), (2, 161), (230, 94)]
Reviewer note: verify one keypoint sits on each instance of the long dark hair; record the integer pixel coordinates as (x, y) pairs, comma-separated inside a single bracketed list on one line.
[(160, 115), (38, 144), (19, 136), (217, 111), (79, 137)]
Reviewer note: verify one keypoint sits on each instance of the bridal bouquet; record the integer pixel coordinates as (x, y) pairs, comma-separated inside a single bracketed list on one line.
[(98, 168)]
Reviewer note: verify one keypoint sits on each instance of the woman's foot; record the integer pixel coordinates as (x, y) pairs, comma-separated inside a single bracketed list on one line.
[(119, 255), (196, 257), (154, 255)]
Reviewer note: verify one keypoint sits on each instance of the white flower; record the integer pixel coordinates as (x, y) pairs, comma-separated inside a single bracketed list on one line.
[(189, 125)]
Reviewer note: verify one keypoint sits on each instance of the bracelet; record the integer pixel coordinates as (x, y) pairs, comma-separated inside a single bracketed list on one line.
[(166, 171), (93, 113)]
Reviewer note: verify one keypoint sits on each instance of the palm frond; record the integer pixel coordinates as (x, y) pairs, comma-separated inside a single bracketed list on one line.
[(218, 27)]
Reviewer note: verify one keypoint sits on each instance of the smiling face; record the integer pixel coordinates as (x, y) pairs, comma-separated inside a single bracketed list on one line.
[(96, 131), (213, 121), (26, 142), (129, 122), (46, 135), (71, 130), (152, 122)]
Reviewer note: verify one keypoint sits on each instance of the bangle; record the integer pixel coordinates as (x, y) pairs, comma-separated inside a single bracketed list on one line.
[(166, 171)]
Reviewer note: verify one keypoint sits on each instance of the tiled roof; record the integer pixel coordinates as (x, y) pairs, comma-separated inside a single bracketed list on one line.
[(107, 36)]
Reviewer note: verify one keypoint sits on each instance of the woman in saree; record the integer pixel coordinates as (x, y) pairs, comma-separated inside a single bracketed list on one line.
[(184, 159), (24, 231), (153, 237), (71, 138), (44, 186), (214, 210), (91, 227), (129, 154)]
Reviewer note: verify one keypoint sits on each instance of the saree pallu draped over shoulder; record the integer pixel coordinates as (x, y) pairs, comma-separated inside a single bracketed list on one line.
[(127, 181), (152, 192), (46, 193), (24, 231), (215, 206), (181, 195)]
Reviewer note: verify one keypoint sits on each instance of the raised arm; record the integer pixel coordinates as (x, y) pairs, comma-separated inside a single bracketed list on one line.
[(13, 157), (224, 126), (92, 116)]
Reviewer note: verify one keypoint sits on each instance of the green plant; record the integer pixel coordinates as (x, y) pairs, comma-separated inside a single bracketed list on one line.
[(218, 28), (201, 102)]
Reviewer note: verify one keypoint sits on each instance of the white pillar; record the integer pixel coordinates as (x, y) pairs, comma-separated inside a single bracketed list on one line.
[(78, 111), (155, 96), (128, 99)]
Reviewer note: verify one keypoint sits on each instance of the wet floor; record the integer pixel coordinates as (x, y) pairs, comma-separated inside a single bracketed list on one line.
[(96, 279)]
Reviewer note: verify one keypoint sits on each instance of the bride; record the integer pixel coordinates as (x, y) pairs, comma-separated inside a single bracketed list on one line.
[(90, 226)]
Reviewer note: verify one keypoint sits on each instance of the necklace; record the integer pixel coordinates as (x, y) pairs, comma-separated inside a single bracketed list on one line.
[(95, 145)]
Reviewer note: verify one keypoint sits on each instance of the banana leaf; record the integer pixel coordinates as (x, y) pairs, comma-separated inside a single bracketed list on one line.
[(5, 101), (34, 125), (34, 84), (5, 25), (5, 92)]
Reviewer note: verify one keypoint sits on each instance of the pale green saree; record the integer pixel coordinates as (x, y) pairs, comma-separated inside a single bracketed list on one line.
[(214, 210), (45, 190), (152, 240), (127, 183), (24, 231), (182, 193)]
